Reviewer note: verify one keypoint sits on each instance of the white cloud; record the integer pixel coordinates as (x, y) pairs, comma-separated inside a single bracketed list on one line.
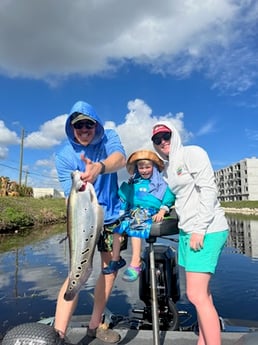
[(135, 132), (43, 163), (206, 128), (137, 129), (252, 134), (3, 152), (44, 174), (7, 137), (51, 133), (51, 40)]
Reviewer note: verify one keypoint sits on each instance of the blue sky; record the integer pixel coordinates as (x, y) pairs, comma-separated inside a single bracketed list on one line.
[(136, 62)]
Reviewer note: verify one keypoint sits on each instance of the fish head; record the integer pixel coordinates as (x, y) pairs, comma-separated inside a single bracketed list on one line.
[(77, 184)]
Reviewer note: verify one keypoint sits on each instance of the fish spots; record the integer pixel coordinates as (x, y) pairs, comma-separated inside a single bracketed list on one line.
[(71, 285), (86, 230), (84, 262)]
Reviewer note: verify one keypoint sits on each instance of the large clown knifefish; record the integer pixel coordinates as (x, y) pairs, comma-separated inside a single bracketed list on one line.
[(84, 224)]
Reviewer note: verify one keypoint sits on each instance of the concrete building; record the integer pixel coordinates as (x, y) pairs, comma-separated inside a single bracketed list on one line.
[(238, 181), (47, 193)]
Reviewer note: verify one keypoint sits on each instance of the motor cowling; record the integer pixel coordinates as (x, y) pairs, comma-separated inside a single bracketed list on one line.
[(166, 274)]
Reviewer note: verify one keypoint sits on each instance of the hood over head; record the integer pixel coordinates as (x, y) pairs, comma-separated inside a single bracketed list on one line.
[(176, 143), (79, 111), (80, 117), (160, 128)]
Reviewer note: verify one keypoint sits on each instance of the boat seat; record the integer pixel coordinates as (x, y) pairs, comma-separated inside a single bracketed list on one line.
[(169, 226)]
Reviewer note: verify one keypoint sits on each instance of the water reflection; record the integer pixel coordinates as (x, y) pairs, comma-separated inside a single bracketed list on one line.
[(33, 267), (244, 235)]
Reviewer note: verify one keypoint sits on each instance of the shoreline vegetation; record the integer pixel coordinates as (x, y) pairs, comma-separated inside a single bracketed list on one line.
[(241, 207), (18, 213)]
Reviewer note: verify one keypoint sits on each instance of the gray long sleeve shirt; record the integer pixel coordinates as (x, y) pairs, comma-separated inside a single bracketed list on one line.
[(191, 178)]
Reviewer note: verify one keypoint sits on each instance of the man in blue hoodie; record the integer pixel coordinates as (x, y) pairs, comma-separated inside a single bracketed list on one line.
[(98, 154)]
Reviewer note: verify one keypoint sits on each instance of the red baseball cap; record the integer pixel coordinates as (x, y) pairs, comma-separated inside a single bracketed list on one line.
[(160, 129)]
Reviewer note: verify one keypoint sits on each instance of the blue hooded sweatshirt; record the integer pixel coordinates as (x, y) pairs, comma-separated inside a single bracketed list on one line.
[(105, 142)]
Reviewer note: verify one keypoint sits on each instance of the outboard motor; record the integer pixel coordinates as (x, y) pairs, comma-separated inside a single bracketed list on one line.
[(166, 272), (159, 279)]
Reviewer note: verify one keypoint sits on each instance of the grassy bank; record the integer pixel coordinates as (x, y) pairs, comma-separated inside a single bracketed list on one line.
[(240, 204), (24, 212)]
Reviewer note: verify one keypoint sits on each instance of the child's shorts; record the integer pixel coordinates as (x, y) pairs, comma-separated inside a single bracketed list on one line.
[(105, 243), (204, 260)]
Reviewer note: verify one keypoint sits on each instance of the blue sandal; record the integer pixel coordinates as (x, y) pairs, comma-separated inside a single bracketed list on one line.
[(114, 266)]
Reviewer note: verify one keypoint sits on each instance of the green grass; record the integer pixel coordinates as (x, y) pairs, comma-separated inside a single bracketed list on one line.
[(240, 204), (24, 212)]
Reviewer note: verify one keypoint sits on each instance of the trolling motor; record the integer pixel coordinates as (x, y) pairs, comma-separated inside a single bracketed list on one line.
[(159, 280)]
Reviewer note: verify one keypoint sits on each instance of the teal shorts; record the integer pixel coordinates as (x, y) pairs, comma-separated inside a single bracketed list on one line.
[(204, 260)]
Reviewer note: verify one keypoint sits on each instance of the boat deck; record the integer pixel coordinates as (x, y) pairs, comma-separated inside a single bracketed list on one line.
[(146, 337), (234, 334)]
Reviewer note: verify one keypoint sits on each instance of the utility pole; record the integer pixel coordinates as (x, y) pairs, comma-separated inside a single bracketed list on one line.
[(21, 157), (26, 178)]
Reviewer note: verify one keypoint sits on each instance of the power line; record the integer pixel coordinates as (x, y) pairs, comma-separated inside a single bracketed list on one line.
[(8, 166), (31, 173)]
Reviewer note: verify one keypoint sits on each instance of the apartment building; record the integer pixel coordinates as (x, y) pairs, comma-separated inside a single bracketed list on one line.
[(238, 181)]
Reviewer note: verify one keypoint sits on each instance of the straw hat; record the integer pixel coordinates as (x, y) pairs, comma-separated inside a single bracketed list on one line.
[(140, 155)]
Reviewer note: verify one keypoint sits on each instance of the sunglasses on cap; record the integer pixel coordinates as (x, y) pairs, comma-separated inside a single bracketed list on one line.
[(157, 139), (87, 124)]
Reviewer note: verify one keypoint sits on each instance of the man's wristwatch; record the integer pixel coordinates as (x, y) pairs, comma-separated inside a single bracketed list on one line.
[(103, 168)]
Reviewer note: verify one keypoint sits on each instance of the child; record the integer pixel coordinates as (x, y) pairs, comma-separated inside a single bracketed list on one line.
[(145, 198)]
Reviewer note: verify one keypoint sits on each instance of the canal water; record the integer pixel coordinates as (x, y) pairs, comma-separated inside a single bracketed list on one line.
[(34, 265)]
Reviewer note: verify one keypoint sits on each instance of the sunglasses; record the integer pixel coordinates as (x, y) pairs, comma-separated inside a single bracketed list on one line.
[(159, 137), (86, 124)]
